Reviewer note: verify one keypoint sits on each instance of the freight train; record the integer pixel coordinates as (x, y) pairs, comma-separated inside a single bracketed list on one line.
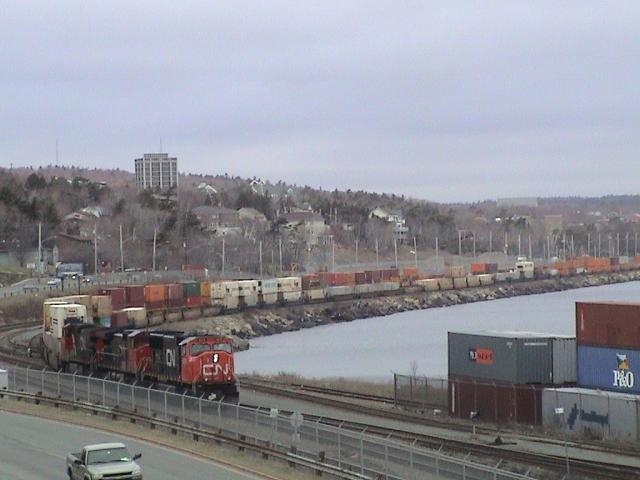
[(190, 362), (132, 308)]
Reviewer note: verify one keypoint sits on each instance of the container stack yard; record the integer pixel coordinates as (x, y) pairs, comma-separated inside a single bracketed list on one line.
[(606, 404), (499, 376)]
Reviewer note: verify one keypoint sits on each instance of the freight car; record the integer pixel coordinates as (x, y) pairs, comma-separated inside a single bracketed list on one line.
[(194, 363)]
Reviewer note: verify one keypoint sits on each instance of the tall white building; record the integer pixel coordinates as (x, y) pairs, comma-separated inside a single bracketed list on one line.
[(156, 171)]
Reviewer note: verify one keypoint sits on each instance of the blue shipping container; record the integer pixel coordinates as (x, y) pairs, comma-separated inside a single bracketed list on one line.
[(615, 369)]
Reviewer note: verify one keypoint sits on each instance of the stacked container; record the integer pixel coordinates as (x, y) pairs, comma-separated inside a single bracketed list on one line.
[(134, 295), (154, 297), (500, 375), (174, 295), (118, 297), (191, 294), (608, 336)]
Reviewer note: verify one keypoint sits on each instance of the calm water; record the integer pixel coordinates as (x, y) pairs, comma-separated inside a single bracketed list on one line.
[(373, 348)]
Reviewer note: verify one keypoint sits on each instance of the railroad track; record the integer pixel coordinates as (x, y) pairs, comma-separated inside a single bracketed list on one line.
[(598, 470), (9, 352)]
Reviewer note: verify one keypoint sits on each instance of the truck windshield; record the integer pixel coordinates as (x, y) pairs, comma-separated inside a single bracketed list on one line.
[(120, 454), (222, 347)]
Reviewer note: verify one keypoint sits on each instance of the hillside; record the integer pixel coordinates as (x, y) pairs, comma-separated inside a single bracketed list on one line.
[(298, 220)]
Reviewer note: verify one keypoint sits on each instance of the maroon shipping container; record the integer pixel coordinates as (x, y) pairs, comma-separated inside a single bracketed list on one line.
[(173, 295), (118, 297), (134, 295), (495, 402), (373, 276), (193, 301), (119, 320), (361, 278), (311, 281), (490, 268), (614, 261), (608, 324)]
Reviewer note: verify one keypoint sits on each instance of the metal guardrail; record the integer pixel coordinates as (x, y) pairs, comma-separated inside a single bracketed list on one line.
[(341, 449)]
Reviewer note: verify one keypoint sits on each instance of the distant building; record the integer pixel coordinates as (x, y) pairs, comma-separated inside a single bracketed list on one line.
[(400, 230), (218, 220), (251, 215), (525, 202), (156, 171), (310, 224)]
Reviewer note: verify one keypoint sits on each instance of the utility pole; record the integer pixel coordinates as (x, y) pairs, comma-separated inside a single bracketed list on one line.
[(530, 249), (506, 243), (627, 244), (356, 251), (415, 251), (95, 248), (490, 241), (437, 248), (519, 246), (223, 257), (636, 246), (460, 243), (564, 246), (280, 252), (618, 244), (377, 256), (474, 245), (599, 249), (395, 248), (260, 256), (40, 269), (549, 246), (121, 251), (333, 255), (588, 244), (155, 239)]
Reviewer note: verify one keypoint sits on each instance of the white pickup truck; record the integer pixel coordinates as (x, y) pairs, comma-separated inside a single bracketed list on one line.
[(104, 461)]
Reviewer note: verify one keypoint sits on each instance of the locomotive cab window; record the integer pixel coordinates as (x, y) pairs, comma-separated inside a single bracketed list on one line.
[(223, 347), (199, 348)]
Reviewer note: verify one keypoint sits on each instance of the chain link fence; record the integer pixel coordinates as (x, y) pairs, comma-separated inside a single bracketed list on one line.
[(372, 456), (419, 392)]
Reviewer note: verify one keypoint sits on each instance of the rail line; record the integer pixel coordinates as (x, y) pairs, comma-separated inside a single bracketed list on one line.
[(600, 470), (9, 353)]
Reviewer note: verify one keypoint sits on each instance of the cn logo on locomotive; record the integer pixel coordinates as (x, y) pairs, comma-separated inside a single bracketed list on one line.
[(170, 358)]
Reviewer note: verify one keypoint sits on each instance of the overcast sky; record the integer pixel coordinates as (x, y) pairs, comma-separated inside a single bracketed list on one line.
[(442, 100)]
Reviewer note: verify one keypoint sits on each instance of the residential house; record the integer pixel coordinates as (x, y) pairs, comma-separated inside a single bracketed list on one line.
[(400, 230), (218, 220), (310, 224), (251, 215)]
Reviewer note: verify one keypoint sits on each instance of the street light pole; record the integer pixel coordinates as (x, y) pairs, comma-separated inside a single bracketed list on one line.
[(377, 256), (395, 248), (121, 251), (415, 251), (260, 255)]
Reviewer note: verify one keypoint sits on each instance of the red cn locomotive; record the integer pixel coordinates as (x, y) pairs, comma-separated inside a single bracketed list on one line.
[(196, 363)]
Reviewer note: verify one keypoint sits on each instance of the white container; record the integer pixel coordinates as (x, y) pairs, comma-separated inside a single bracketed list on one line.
[(429, 284), (289, 284), (4, 380), (63, 314)]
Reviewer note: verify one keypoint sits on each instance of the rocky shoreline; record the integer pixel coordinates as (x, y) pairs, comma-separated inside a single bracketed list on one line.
[(270, 321)]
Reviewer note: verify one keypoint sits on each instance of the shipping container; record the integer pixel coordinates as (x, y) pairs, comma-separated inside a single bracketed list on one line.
[(478, 268), (46, 311), (473, 281), (460, 282), (373, 276), (455, 271), (514, 357), (134, 295), (592, 413), (136, 316), (410, 272), (190, 289), (608, 324), (495, 402), (248, 291), (205, 290), (62, 315), (314, 294), (445, 283), (174, 295), (340, 290), (428, 284), (154, 295), (311, 282), (268, 291), (485, 279), (118, 297), (606, 368), (193, 302), (361, 278), (289, 284), (101, 306)]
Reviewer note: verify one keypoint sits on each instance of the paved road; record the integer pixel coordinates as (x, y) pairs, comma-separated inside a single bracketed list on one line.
[(33, 449)]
